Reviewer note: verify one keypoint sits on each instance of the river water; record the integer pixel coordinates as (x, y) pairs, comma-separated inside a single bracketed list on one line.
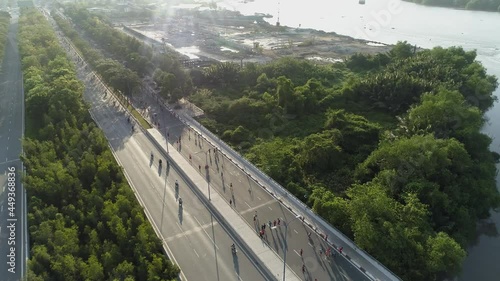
[(389, 21)]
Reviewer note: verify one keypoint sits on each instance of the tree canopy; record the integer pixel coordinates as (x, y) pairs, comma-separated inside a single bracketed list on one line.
[(84, 220), (388, 147)]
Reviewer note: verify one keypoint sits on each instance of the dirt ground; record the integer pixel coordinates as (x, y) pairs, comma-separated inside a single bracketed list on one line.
[(233, 37)]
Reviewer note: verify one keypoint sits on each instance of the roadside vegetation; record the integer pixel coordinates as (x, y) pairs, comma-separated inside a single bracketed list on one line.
[(84, 220), (131, 60), (4, 30), (386, 147), (480, 5)]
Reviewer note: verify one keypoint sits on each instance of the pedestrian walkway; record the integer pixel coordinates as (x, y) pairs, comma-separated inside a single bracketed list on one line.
[(245, 232)]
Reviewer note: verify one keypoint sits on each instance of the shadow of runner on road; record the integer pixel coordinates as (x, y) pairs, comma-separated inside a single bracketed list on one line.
[(180, 213), (236, 264), (159, 170)]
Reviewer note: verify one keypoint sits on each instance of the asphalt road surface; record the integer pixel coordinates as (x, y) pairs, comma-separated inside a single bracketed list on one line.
[(12, 202), (201, 247)]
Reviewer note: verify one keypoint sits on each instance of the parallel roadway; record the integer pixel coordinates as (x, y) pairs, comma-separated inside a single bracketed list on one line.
[(13, 247)]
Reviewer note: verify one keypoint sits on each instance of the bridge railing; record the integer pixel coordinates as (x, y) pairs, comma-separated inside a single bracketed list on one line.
[(314, 221)]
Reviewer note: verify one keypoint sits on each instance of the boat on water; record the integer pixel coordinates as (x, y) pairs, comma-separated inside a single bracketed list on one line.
[(361, 2)]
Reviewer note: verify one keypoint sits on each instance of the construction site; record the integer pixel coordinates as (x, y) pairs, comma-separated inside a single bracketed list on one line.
[(204, 35)]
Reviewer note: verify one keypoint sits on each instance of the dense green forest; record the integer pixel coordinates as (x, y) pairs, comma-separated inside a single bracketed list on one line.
[(4, 29), (481, 5), (84, 220), (387, 147)]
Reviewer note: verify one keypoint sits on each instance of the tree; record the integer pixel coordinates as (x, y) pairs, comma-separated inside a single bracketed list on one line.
[(93, 270), (284, 92), (445, 114), (321, 152), (401, 50), (445, 256)]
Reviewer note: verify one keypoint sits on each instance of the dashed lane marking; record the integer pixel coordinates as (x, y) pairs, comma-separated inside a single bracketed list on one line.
[(258, 206), (191, 231), (203, 228), (9, 161)]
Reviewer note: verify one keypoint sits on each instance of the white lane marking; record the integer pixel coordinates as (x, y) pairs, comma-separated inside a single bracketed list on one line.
[(196, 253), (258, 206), (0, 230), (259, 198), (248, 205), (298, 254), (2, 205), (310, 244), (270, 208), (179, 226), (295, 231), (213, 242)]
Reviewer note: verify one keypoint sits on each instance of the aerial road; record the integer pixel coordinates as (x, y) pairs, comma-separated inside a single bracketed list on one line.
[(193, 237), (310, 256), (12, 197), (190, 233)]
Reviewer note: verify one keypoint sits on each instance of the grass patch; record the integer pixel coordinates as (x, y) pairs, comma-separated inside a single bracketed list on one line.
[(145, 124)]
